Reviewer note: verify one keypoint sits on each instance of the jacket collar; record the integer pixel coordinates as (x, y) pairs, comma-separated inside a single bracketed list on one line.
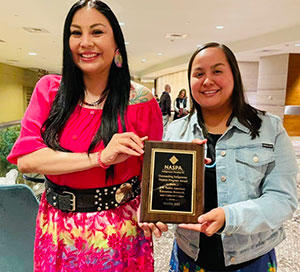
[(234, 123)]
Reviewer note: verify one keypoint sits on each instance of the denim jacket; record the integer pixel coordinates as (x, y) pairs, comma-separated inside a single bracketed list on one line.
[(256, 185)]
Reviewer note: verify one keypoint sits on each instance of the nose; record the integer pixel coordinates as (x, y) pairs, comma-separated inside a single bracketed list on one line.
[(208, 81), (86, 41)]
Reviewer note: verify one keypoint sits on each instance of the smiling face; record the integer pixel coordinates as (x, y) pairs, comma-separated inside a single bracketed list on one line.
[(92, 42), (211, 80)]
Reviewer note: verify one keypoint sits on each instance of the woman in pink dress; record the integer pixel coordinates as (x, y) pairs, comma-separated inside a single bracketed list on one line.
[(84, 131)]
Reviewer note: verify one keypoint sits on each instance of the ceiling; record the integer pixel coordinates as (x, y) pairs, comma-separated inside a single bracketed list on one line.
[(251, 29)]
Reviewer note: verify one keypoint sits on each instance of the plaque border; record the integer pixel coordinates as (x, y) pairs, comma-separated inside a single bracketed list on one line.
[(193, 193), (171, 216)]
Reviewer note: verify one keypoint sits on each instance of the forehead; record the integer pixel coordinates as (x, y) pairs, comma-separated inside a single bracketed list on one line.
[(210, 56), (87, 16)]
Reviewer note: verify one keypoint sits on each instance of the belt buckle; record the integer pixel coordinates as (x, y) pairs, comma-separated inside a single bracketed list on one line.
[(123, 193), (72, 201)]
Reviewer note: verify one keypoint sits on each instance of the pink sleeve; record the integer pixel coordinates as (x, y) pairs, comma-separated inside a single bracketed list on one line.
[(149, 121), (30, 138)]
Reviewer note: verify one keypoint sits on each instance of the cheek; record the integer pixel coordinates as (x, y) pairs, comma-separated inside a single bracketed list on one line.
[(72, 45), (195, 85), (226, 82)]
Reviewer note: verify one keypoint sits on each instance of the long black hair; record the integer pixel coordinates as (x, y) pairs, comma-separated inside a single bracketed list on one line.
[(246, 114), (71, 89)]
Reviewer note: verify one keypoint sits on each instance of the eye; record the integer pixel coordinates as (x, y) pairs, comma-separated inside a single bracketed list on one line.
[(218, 72), (198, 75), (75, 33), (97, 32)]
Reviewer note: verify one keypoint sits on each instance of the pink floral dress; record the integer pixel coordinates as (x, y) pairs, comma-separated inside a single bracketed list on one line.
[(94, 241)]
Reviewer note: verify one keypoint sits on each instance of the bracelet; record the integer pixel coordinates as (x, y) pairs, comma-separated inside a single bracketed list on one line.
[(101, 164)]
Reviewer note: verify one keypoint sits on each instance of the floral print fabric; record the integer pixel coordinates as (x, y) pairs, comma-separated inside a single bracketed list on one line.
[(179, 262), (90, 242)]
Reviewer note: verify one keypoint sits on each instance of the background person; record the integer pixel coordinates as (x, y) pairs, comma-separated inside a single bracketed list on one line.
[(181, 105), (250, 184), (85, 132), (165, 106)]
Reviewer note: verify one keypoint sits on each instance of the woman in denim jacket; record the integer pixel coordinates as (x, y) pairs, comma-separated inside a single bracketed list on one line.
[(250, 183)]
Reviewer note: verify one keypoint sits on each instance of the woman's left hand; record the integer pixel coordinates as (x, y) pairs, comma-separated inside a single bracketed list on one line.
[(209, 223)]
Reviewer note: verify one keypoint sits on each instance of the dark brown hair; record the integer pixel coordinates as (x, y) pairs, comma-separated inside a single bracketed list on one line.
[(246, 114)]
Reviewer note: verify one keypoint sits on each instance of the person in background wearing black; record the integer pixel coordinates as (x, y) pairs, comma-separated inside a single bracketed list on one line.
[(165, 106)]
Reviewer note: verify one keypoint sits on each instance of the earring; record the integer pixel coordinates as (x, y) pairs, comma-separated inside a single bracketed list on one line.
[(118, 60)]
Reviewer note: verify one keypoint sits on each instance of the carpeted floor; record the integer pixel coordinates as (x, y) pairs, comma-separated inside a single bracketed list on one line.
[(288, 252)]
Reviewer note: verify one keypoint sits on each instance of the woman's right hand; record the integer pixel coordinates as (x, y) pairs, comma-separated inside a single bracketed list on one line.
[(157, 229), (121, 147)]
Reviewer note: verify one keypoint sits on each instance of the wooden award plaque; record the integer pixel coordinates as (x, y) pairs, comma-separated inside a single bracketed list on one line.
[(173, 182)]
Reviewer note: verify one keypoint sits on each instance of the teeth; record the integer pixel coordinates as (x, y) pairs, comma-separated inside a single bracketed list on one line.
[(88, 55), (210, 92)]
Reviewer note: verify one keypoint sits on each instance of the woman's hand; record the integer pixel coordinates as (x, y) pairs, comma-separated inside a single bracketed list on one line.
[(157, 229), (209, 223), (201, 142), (121, 147)]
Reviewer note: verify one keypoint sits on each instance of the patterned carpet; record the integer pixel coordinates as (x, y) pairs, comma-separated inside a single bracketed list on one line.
[(288, 252)]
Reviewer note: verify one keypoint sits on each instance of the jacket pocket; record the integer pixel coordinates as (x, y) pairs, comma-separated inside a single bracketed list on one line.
[(252, 163)]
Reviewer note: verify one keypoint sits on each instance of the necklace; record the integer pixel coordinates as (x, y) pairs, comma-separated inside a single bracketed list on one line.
[(210, 165), (96, 103)]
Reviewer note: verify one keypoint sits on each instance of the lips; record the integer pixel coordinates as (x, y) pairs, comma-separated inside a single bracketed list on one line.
[(210, 92), (88, 56)]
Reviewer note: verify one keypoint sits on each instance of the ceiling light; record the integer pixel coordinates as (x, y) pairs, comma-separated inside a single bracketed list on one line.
[(219, 27), (32, 54), (143, 60), (297, 44), (121, 23), (35, 30), (267, 51), (176, 36), (159, 54)]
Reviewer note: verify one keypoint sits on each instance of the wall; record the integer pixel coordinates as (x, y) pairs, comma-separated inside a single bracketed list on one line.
[(292, 122), (272, 80), (249, 73), (13, 80), (293, 81)]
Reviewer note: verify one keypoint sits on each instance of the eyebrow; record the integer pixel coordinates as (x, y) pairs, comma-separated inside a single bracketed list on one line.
[(92, 26), (213, 66), (218, 64)]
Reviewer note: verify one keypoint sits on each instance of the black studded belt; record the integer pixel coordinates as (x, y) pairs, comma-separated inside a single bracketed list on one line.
[(91, 200)]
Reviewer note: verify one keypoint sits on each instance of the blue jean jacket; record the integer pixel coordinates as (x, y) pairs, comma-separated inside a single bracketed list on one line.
[(256, 185)]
